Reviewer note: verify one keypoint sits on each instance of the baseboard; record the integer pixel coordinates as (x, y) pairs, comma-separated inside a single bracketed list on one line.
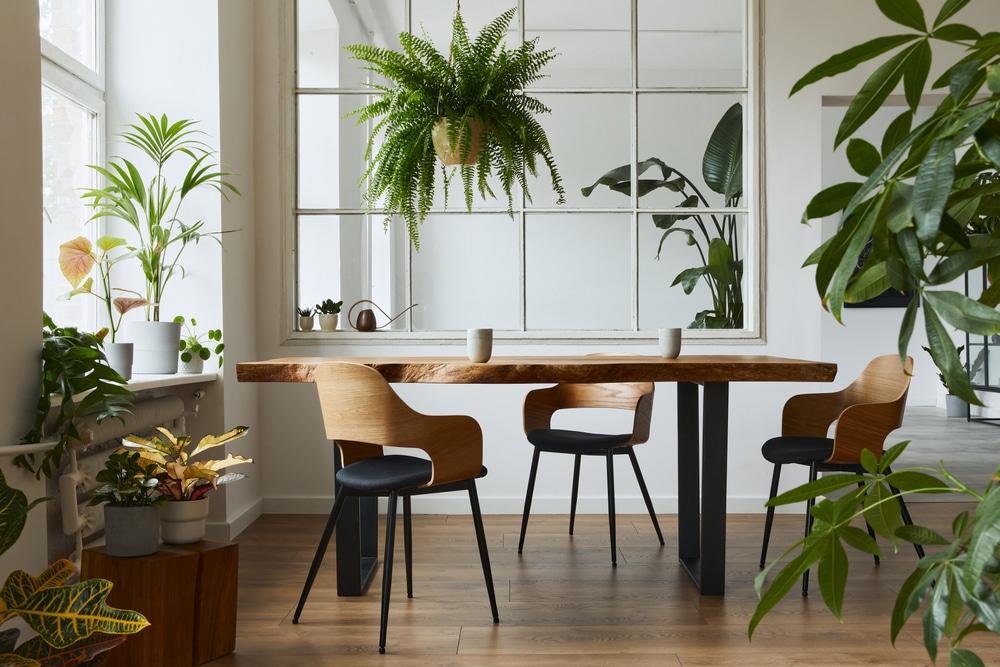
[(227, 531)]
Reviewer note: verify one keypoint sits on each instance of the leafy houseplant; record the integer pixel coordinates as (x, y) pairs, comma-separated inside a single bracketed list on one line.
[(74, 623), (131, 519), (329, 314), (305, 318), (924, 189), (478, 84), (152, 207), (192, 343), (77, 258), (716, 236), (73, 366)]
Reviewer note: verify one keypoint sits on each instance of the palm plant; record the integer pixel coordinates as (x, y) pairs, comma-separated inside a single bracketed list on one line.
[(151, 208), (479, 85), (716, 236)]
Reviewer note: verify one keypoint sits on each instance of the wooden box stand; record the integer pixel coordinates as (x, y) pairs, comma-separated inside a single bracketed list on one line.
[(187, 593)]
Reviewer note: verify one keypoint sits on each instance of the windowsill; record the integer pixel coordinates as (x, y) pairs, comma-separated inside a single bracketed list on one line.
[(144, 381)]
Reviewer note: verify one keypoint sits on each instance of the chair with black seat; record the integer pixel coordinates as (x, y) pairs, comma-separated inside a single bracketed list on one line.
[(362, 414), (865, 412), (541, 404)]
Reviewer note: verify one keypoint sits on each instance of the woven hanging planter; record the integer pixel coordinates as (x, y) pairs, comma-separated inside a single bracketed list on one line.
[(453, 156)]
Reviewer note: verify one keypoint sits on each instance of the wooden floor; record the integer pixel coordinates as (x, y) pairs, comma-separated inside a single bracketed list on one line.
[(562, 603)]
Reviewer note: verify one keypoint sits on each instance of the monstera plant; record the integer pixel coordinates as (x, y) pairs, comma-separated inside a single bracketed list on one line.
[(715, 236), (473, 98)]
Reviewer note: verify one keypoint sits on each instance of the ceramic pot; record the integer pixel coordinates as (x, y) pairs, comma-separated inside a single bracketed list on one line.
[(452, 157), (328, 322), (130, 532), (183, 521), (955, 406), (155, 346), (305, 323), (120, 358), (196, 365)]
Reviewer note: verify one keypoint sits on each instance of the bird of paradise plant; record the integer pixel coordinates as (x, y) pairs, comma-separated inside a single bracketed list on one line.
[(180, 477)]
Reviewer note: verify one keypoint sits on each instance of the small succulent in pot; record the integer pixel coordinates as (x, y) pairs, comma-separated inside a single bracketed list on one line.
[(329, 307), (192, 344), (306, 312)]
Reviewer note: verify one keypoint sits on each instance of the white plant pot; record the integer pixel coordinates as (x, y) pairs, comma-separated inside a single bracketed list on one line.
[(196, 365), (328, 322), (305, 323), (183, 521), (130, 532), (955, 406), (120, 358), (156, 345)]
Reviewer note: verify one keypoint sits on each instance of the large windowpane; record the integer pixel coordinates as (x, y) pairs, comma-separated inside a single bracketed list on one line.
[(331, 148), (578, 272), (72, 26)]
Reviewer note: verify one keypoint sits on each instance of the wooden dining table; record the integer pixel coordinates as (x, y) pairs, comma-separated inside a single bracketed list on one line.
[(702, 432)]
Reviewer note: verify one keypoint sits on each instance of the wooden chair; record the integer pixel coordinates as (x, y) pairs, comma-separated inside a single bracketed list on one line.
[(541, 404), (362, 413), (865, 412)]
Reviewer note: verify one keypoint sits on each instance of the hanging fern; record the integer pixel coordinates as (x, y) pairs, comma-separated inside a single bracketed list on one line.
[(480, 80)]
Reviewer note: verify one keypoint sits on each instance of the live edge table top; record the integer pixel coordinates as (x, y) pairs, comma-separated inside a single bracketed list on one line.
[(546, 369)]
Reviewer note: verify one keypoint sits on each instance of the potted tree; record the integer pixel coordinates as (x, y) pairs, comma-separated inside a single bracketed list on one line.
[(470, 101), (131, 516), (183, 482), (329, 314), (152, 209), (77, 258), (197, 348)]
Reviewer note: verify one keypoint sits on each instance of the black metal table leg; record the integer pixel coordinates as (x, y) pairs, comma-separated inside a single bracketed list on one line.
[(357, 542), (702, 512)]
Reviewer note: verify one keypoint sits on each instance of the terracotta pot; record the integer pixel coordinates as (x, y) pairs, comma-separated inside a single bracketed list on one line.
[(451, 157)]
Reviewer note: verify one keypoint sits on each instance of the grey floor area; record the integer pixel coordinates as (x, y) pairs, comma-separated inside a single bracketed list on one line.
[(970, 450)]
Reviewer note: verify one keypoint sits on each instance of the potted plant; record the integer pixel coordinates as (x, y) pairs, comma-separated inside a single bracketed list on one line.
[(151, 206), (917, 193), (955, 406), (73, 366), (305, 318), (73, 622), (329, 314), (77, 258), (183, 482), (472, 99), (194, 352), (131, 516), (716, 236)]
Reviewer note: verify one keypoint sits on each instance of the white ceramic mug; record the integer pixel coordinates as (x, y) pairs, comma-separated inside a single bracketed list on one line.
[(670, 343), (479, 344)]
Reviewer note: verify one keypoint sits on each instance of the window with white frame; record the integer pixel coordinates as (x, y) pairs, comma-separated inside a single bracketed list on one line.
[(640, 82), (72, 137)]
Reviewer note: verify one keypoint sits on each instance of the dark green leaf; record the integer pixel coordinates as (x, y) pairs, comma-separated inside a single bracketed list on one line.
[(985, 536), (832, 575), (898, 129), (851, 58), (814, 489), (956, 32), (722, 164), (949, 9), (905, 12), (943, 350), (874, 92), (915, 77), (830, 201), (862, 156), (964, 313), (921, 535)]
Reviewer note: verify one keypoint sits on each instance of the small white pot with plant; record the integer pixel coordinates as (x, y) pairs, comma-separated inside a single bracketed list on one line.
[(195, 348), (305, 318), (329, 314)]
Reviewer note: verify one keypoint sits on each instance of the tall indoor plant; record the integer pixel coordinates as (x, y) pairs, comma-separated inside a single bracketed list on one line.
[(716, 236), (921, 192), (473, 97)]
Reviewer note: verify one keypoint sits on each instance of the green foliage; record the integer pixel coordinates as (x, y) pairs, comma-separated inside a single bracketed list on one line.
[(328, 307), (478, 79), (125, 482), (151, 208), (74, 366), (927, 197), (73, 621), (307, 311), (715, 236), (192, 343), (958, 582)]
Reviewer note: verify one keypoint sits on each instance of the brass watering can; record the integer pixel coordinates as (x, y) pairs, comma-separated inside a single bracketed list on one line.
[(366, 317)]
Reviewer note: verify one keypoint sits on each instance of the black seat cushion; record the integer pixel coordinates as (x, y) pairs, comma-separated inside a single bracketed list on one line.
[(796, 449), (385, 473), (574, 442)]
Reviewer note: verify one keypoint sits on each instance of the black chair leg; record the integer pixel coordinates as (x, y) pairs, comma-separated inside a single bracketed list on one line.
[(611, 506), (324, 542), (408, 545), (484, 554), (809, 525), (645, 493), (769, 519), (527, 498), (390, 543), (575, 491)]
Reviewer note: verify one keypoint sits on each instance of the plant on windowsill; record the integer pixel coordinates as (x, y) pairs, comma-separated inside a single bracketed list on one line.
[(329, 314), (193, 349), (184, 482), (716, 236), (305, 318), (470, 101), (74, 623), (921, 188), (131, 518)]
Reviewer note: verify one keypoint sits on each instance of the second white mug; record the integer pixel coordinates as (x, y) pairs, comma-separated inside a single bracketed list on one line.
[(670, 343), (479, 344)]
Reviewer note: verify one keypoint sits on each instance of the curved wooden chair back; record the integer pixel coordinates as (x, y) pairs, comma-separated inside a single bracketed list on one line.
[(541, 404), (866, 411), (362, 413)]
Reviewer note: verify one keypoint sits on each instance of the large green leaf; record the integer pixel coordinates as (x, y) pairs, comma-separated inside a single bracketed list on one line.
[(14, 508), (863, 157), (831, 200), (722, 164), (949, 9), (985, 537), (851, 58), (964, 313), (904, 12), (931, 190)]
